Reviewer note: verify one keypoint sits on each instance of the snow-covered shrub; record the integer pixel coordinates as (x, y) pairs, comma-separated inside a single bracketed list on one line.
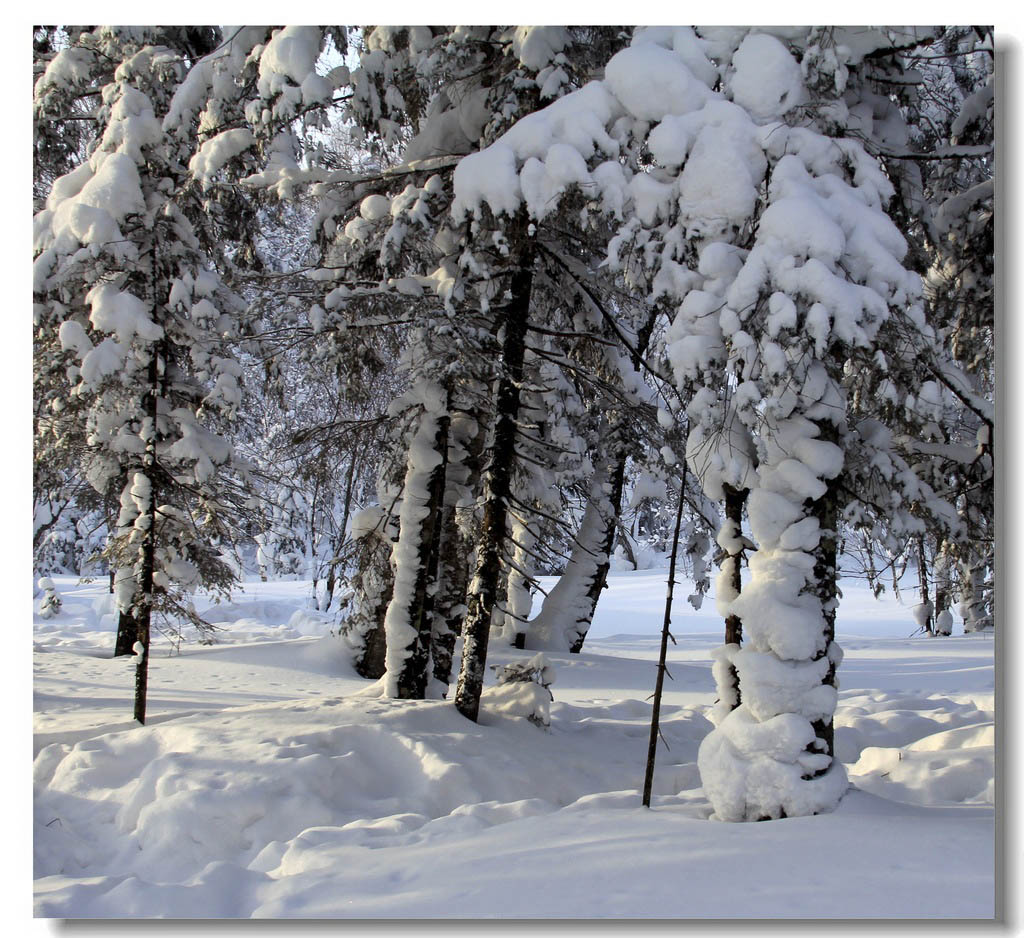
[(51, 602), (522, 689), (944, 623)]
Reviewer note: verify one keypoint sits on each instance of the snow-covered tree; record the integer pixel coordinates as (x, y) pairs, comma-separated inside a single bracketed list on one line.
[(772, 236), (143, 321)]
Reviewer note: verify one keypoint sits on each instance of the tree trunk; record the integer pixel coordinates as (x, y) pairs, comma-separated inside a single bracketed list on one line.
[(974, 602), (364, 628), (127, 627), (497, 488), (734, 502), (568, 609), (142, 618), (610, 521), (652, 742), (143, 610), (339, 542), (922, 572), (409, 618), (773, 755), (127, 631), (627, 548), (450, 601), (518, 595), (826, 575), (943, 598), (465, 451)]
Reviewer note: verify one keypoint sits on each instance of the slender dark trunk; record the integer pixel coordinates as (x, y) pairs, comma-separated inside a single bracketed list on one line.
[(826, 572), (338, 543), (314, 572), (329, 584), (652, 743), (922, 572), (143, 610), (734, 502), (477, 626)]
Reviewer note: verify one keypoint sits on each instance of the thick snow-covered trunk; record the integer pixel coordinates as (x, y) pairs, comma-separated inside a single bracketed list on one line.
[(518, 596), (772, 755), (825, 511), (609, 520), (568, 609), (730, 539), (943, 587), (407, 624), (127, 627), (974, 602), (483, 590)]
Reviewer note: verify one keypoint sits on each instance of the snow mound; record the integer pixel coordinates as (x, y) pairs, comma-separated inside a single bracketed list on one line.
[(260, 787), (951, 767), (892, 721)]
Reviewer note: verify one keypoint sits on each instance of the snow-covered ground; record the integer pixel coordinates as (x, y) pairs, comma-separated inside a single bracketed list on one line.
[(264, 785)]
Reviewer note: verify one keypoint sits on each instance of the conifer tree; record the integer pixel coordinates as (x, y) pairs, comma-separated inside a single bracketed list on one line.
[(143, 320)]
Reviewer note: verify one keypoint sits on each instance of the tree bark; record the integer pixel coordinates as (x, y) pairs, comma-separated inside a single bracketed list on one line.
[(497, 488), (943, 598), (922, 572), (826, 573), (652, 742), (127, 627), (465, 452), (518, 595), (127, 633), (610, 520), (568, 609), (339, 542), (410, 681), (450, 601), (143, 610), (734, 502)]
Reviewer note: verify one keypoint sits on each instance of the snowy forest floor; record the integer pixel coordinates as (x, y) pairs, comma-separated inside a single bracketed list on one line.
[(264, 785)]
